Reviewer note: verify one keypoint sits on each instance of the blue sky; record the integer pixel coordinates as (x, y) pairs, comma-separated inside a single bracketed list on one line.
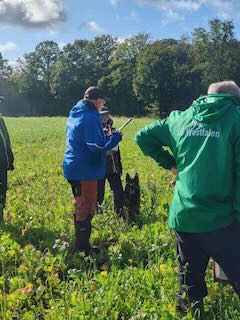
[(25, 23)]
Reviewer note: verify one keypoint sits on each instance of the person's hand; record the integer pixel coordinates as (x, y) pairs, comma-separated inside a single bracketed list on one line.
[(174, 171), (11, 167), (173, 183), (109, 131), (118, 135)]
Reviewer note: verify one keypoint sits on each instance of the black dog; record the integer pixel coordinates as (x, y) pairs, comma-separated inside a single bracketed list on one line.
[(132, 197)]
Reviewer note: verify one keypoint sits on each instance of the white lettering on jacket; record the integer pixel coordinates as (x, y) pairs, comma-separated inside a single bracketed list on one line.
[(190, 132)]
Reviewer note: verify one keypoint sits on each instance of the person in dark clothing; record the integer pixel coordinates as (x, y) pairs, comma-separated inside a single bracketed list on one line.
[(113, 168), (84, 160), (6, 163)]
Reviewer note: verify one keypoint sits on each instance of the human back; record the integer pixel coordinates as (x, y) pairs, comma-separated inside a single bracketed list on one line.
[(204, 142), (205, 211), (79, 162), (204, 158)]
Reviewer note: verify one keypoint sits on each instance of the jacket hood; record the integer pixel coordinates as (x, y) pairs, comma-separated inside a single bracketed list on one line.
[(81, 107), (213, 106)]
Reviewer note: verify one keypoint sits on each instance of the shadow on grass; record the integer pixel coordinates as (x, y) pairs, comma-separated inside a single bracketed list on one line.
[(40, 238)]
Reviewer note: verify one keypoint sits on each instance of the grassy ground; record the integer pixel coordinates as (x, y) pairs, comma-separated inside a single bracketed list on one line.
[(135, 275)]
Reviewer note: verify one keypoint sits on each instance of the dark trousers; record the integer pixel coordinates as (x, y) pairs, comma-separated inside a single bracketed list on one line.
[(116, 187), (194, 251), (3, 187)]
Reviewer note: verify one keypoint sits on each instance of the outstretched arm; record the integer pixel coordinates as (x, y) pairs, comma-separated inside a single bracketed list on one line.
[(151, 140), (95, 139)]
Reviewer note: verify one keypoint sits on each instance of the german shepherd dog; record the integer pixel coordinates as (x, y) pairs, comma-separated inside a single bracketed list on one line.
[(132, 197)]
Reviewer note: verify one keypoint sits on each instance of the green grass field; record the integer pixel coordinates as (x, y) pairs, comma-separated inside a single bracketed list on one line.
[(135, 275)]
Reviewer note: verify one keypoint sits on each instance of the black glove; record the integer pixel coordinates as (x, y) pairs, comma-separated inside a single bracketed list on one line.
[(11, 167)]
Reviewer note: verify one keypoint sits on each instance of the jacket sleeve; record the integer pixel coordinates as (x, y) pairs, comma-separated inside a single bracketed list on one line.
[(151, 140), (95, 138), (8, 143)]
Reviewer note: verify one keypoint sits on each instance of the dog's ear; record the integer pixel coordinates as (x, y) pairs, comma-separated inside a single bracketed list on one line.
[(128, 177), (136, 178)]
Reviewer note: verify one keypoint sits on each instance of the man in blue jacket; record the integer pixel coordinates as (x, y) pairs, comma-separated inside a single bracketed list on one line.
[(84, 161)]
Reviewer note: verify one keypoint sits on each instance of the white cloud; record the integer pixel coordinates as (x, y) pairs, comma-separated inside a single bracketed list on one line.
[(121, 39), (91, 26), (191, 5), (31, 13), (133, 16), (114, 3), (61, 45), (53, 31), (173, 16), (13, 63), (175, 10), (7, 46), (222, 6), (225, 9)]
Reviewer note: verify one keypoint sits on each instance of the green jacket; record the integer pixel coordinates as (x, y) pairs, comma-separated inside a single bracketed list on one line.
[(6, 154), (205, 148)]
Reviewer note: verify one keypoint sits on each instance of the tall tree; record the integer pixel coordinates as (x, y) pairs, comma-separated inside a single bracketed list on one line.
[(119, 78), (5, 69), (213, 51), (11, 101), (140, 76), (46, 56), (101, 49), (163, 76), (73, 72), (31, 86), (34, 76)]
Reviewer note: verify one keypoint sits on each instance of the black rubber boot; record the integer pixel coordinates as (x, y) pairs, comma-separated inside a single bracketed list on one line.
[(182, 305), (83, 231), (197, 308), (193, 305), (118, 209)]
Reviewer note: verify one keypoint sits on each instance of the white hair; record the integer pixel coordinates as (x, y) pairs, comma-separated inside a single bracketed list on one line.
[(224, 87)]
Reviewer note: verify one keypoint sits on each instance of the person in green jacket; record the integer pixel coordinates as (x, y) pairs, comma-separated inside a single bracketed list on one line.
[(6, 163), (204, 153)]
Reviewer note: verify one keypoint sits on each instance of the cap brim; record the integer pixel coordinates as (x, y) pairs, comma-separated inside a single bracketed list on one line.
[(104, 112)]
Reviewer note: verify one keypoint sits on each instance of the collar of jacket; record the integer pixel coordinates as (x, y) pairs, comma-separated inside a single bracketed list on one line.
[(91, 106)]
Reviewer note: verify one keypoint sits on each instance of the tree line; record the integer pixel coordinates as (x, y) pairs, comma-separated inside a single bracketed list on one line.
[(140, 76)]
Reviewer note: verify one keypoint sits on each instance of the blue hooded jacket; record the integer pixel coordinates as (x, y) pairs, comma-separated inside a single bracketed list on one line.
[(86, 144)]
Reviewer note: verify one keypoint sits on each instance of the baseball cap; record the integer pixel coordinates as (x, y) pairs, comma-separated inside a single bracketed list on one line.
[(94, 93), (104, 110)]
